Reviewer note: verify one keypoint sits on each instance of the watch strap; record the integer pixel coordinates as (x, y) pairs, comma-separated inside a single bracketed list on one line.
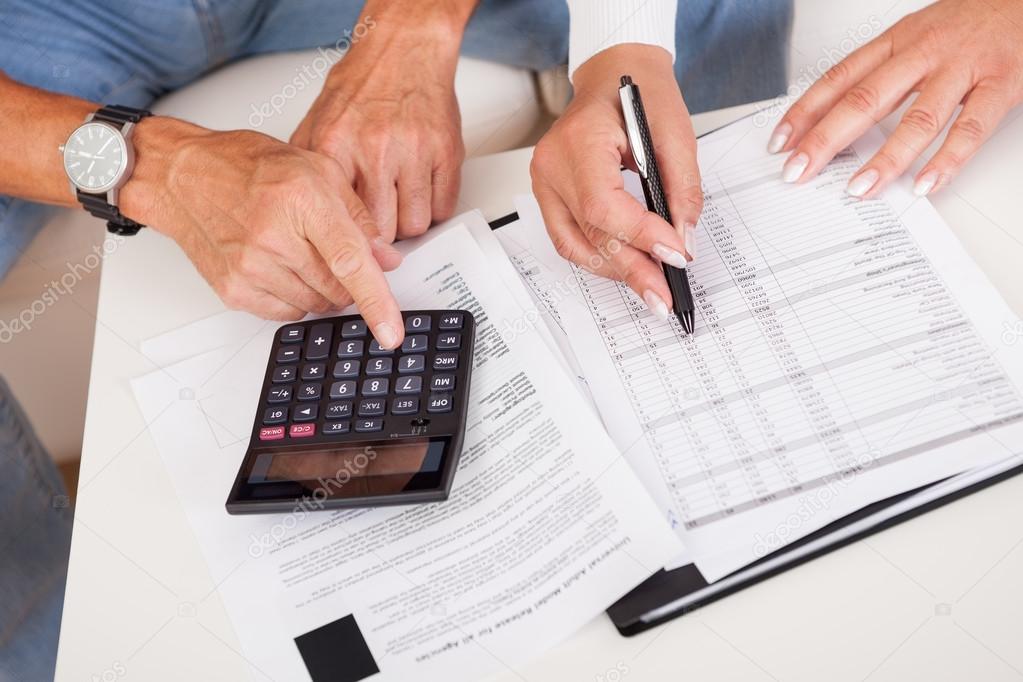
[(96, 204), (120, 114)]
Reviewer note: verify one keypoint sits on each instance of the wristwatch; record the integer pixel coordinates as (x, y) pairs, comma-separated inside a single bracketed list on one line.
[(99, 159)]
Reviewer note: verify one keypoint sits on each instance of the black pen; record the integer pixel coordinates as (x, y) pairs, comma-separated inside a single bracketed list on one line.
[(642, 146)]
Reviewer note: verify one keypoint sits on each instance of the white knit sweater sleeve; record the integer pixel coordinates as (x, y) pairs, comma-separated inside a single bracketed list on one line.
[(599, 24)]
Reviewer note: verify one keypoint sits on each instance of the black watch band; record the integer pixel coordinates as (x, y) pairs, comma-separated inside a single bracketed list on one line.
[(119, 115), (96, 204)]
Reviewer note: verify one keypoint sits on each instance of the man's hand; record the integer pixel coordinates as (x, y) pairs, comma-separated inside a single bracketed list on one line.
[(950, 52), (274, 229), (388, 114), (577, 181)]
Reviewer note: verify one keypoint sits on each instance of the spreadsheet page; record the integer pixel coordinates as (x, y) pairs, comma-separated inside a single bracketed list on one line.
[(845, 351)]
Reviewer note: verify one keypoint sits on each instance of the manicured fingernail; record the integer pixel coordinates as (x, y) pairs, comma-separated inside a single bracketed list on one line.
[(925, 183), (669, 255), (690, 237), (794, 167), (656, 305), (779, 137), (862, 183), (385, 335)]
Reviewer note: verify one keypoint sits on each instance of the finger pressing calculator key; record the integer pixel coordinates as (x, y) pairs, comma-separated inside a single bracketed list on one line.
[(345, 422)]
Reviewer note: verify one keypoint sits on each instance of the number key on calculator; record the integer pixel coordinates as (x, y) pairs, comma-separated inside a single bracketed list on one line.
[(343, 422)]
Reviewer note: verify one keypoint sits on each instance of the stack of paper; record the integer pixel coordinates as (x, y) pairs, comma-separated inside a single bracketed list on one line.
[(546, 524), (846, 351)]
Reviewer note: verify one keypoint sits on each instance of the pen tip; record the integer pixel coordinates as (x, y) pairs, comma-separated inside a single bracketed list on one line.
[(686, 319)]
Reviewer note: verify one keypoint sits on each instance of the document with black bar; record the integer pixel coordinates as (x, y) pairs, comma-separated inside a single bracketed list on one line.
[(545, 526)]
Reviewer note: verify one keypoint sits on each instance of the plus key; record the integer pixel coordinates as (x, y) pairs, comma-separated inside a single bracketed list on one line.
[(317, 346)]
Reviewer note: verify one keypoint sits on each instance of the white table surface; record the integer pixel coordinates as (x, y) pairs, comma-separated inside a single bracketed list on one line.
[(936, 598)]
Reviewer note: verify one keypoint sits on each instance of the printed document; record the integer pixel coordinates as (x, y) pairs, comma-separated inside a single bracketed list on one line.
[(546, 524), (845, 351)]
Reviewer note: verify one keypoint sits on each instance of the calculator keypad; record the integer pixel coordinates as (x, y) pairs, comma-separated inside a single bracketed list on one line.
[(330, 378)]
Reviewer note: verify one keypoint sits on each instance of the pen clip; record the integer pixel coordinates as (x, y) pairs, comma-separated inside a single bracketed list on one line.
[(627, 93)]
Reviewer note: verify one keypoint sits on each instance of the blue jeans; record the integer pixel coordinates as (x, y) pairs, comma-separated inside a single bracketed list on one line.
[(35, 535), (729, 52)]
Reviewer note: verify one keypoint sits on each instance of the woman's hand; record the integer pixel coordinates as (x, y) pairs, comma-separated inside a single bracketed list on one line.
[(952, 52), (577, 177)]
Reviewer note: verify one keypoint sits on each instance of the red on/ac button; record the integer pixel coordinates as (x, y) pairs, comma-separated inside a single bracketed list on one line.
[(271, 433), (302, 430)]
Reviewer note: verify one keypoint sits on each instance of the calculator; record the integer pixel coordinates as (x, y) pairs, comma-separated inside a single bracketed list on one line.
[(343, 422)]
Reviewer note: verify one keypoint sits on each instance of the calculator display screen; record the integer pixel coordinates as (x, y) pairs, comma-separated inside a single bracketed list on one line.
[(356, 470)]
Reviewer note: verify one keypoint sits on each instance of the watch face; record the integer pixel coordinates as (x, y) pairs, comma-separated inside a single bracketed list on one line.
[(95, 157)]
